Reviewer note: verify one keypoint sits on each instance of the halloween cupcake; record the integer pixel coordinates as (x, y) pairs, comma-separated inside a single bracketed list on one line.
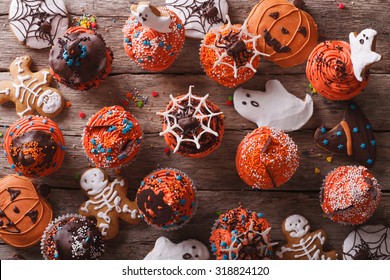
[(153, 37), (166, 199), (267, 158), (112, 137), (229, 55), (192, 126), (239, 234), (338, 70), (24, 212), (288, 34), (80, 59), (350, 195), (34, 146), (72, 237)]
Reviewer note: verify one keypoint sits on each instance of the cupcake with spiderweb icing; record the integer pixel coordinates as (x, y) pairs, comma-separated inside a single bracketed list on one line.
[(193, 126)]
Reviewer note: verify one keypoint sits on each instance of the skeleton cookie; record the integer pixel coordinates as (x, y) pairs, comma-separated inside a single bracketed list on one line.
[(301, 243), (190, 249), (107, 202), (31, 91), (275, 107)]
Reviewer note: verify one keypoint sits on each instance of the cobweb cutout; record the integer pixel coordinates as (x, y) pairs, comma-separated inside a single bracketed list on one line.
[(379, 248), (242, 33), (30, 13), (192, 13), (250, 236), (198, 114)]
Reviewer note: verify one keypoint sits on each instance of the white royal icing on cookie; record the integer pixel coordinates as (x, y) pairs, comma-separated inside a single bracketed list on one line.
[(362, 51), (38, 23), (373, 240), (190, 249), (275, 107), (297, 226), (50, 101), (199, 16), (103, 194), (151, 17)]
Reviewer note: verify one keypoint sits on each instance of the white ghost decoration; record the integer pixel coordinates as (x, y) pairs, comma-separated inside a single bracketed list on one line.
[(190, 249), (150, 16), (297, 226), (275, 107), (93, 181), (362, 51)]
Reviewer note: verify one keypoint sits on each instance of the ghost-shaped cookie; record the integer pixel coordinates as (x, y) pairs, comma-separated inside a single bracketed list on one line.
[(150, 16), (275, 107), (190, 249), (301, 243), (363, 52)]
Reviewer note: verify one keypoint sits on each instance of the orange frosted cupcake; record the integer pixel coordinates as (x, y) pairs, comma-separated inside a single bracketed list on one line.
[(112, 137), (239, 234), (80, 59), (330, 71), (34, 146), (153, 37), (350, 195), (24, 212), (229, 54), (166, 199), (288, 33), (267, 158), (192, 126)]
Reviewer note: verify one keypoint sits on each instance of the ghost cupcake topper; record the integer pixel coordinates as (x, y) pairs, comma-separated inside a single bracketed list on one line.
[(275, 107), (190, 249), (150, 16), (363, 52)]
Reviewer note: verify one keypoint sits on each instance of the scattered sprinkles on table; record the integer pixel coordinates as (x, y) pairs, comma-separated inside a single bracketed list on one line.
[(86, 20), (112, 137)]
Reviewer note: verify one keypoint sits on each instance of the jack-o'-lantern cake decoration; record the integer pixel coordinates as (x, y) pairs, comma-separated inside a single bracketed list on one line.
[(24, 214), (166, 199), (229, 55), (288, 33)]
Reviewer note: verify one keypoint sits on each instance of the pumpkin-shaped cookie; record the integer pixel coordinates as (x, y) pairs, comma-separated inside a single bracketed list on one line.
[(24, 214), (288, 33)]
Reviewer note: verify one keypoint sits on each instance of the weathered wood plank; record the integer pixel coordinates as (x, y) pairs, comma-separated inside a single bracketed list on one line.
[(133, 242), (112, 15)]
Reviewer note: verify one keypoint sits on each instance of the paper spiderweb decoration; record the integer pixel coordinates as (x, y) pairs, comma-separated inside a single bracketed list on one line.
[(197, 112)]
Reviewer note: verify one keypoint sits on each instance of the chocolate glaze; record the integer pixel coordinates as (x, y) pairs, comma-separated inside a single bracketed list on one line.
[(22, 153), (33, 214), (361, 137), (13, 193), (78, 239), (274, 43), (90, 68), (153, 206), (303, 31), (274, 15)]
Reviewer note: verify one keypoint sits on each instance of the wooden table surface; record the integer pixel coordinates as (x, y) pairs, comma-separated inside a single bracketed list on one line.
[(219, 186)]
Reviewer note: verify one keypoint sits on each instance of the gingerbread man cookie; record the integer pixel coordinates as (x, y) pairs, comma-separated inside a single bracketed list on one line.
[(301, 243), (31, 91), (107, 202)]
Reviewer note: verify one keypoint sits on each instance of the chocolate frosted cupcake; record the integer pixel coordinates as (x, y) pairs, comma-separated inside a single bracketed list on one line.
[(112, 137), (72, 237), (239, 234), (192, 126), (166, 199), (80, 59), (34, 146)]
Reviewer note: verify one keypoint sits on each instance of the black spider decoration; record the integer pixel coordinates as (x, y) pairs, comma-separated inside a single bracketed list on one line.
[(44, 27), (209, 12), (186, 120), (235, 48), (252, 244)]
